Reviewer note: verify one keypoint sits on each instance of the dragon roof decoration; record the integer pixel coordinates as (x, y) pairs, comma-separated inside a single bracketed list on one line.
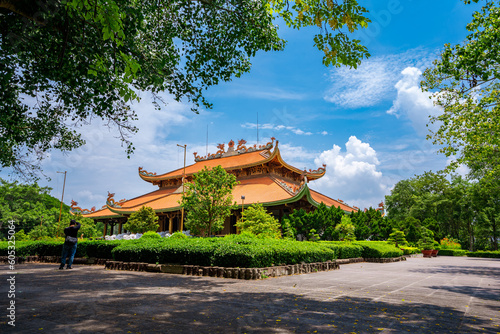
[(78, 210), (240, 149), (145, 172), (110, 201)]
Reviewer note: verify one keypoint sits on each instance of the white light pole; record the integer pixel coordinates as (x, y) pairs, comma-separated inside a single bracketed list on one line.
[(62, 197), (183, 176)]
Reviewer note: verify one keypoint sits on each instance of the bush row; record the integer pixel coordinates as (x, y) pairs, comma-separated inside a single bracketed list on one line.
[(452, 252), (488, 254), (407, 250), (344, 250), (88, 248), (231, 251), (378, 249)]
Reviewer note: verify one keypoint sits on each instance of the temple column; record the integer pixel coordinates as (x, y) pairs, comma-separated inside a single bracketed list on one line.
[(120, 228), (105, 228), (238, 217), (112, 227), (171, 217)]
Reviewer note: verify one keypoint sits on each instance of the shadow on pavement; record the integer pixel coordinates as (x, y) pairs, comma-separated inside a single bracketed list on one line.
[(95, 301)]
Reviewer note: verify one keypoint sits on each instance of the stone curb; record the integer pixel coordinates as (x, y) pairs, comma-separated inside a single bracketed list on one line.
[(52, 259), (222, 272), (225, 272)]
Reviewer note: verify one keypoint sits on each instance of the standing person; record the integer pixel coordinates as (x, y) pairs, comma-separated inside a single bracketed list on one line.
[(69, 247)]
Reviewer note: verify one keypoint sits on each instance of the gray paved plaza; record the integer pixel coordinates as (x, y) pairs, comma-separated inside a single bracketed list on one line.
[(438, 295)]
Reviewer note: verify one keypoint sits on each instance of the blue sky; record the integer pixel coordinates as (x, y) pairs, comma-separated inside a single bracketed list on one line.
[(367, 125)]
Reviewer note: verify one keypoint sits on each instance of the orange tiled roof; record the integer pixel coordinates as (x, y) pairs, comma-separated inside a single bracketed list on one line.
[(247, 159), (237, 161), (267, 190), (318, 197), (102, 213), (263, 189)]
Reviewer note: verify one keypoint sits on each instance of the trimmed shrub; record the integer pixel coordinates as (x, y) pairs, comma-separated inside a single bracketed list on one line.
[(151, 235), (379, 249), (97, 248), (487, 254), (237, 251), (344, 250), (178, 235), (452, 252), (100, 249), (245, 250), (407, 250)]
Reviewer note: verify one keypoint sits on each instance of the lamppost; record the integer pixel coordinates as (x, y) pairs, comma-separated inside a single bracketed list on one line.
[(183, 176), (242, 204), (62, 197), (242, 208)]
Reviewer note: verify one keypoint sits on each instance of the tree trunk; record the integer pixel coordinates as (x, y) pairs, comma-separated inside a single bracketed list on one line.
[(471, 236), (495, 234)]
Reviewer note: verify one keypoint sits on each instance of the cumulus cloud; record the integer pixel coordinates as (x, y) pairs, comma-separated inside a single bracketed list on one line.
[(412, 103), (268, 126), (373, 81), (352, 175), (101, 165)]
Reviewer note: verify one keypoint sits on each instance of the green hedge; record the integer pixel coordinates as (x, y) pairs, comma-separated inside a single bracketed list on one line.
[(88, 248), (27, 248), (344, 250), (378, 249), (452, 252), (231, 251), (407, 250), (488, 254)]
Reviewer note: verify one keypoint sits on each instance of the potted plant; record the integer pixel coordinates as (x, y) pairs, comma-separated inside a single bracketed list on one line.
[(426, 242), (435, 248)]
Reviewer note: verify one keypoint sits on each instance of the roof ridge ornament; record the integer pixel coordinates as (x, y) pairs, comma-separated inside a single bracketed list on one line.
[(144, 172), (240, 149), (110, 201), (319, 170), (78, 210)]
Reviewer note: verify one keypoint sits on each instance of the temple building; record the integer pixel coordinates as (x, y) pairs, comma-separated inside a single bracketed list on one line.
[(264, 177)]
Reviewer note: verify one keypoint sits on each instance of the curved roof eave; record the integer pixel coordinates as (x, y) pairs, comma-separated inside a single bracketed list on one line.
[(310, 175), (275, 154), (161, 177), (129, 212)]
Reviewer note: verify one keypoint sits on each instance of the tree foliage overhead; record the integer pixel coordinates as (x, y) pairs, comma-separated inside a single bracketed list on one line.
[(64, 63), (466, 84), (208, 200)]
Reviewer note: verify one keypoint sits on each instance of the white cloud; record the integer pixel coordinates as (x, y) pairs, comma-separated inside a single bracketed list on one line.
[(412, 102), (101, 164), (268, 126), (352, 175), (373, 81), (298, 156), (267, 93)]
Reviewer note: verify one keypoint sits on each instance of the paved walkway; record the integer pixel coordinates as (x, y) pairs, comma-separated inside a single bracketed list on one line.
[(438, 295)]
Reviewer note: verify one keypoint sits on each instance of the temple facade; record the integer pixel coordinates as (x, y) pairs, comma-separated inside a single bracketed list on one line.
[(264, 177)]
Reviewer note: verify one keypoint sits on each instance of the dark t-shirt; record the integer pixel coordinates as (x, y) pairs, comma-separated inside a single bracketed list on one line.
[(72, 231)]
